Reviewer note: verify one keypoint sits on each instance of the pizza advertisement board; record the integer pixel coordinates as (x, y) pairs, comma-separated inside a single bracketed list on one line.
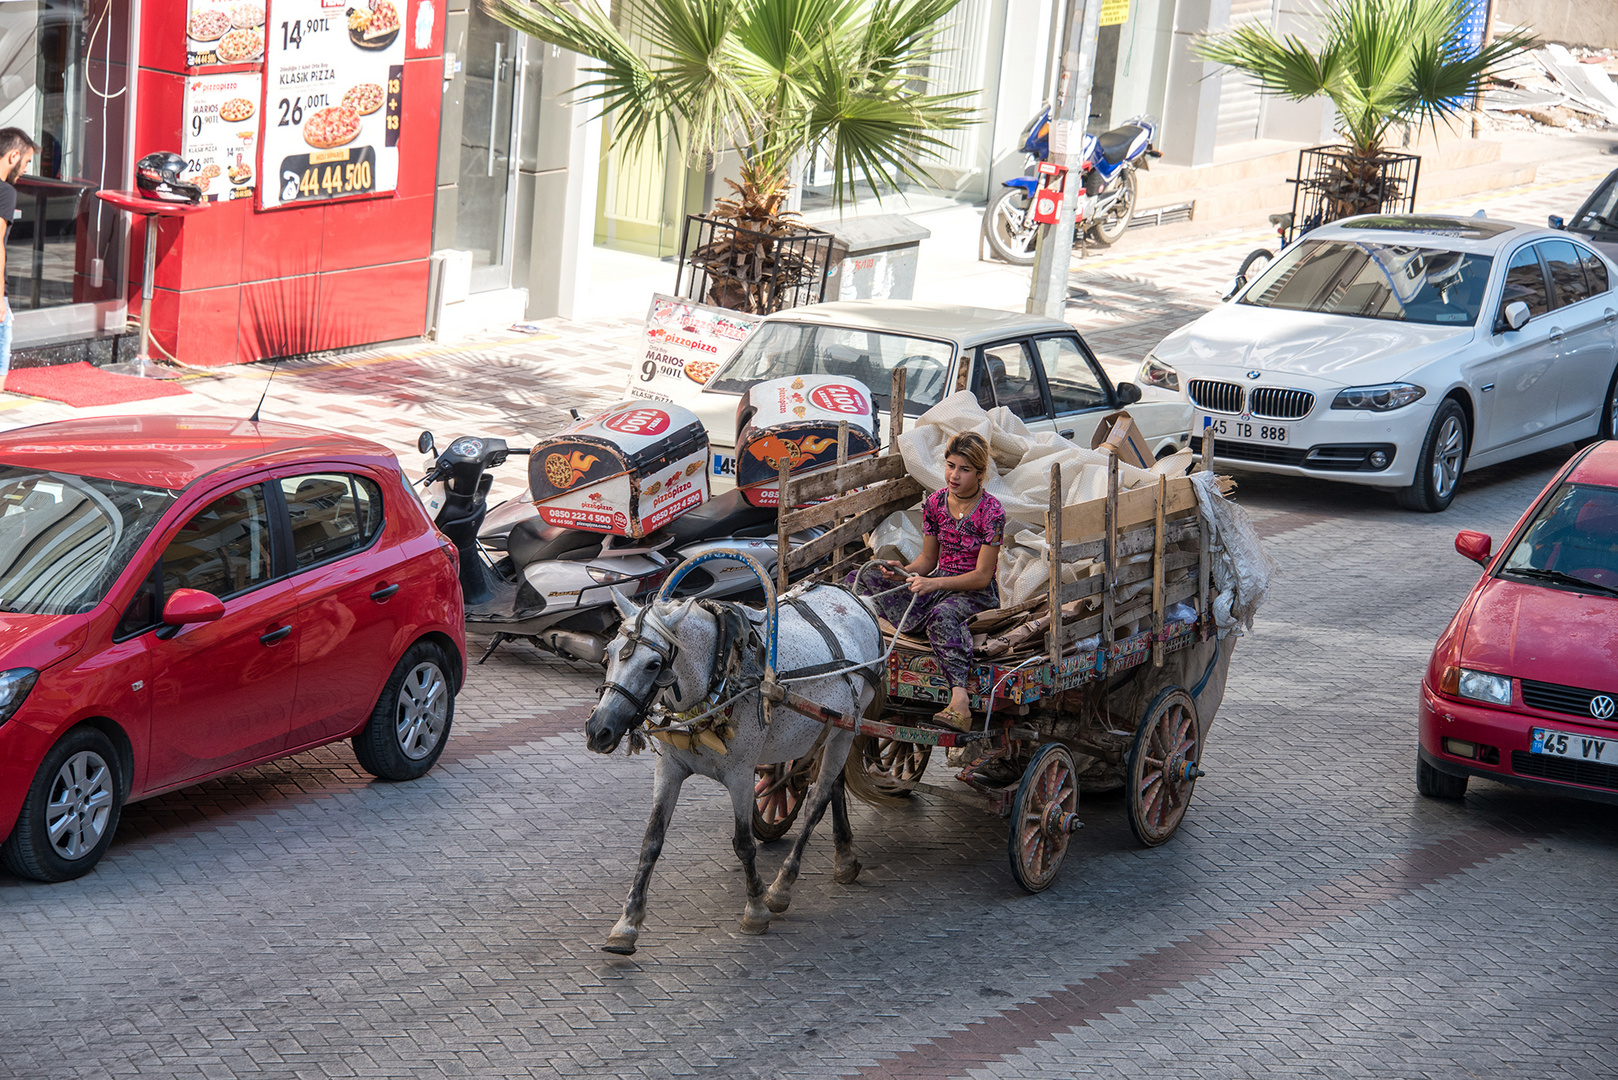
[(686, 343), (220, 143), (333, 83), (223, 32)]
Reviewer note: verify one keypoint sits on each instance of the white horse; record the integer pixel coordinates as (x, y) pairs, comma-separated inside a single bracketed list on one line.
[(693, 656)]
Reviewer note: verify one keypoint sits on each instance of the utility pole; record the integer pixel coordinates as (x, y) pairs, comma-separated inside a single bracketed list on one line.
[(1053, 250)]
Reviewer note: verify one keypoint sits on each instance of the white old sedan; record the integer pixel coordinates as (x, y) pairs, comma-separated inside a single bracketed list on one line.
[(1039, 369), (1401, 351)]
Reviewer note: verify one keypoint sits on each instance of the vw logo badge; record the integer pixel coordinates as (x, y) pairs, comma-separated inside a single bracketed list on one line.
[(1602, 707), (1254, 374)]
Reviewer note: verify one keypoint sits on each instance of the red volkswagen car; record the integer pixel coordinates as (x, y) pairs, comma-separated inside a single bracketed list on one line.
[(1523, 686), (181, 597)]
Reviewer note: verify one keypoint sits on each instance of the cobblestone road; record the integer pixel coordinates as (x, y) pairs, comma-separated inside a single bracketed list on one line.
[(1313, 918)]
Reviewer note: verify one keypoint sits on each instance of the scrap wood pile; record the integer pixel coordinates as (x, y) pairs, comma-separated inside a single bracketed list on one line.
[(1557, 87)]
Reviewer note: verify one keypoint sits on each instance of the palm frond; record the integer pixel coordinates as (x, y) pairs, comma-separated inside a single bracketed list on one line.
[(620, 81), (1283, 66)]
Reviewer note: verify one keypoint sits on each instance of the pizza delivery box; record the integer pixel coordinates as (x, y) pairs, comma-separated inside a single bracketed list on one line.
[(796, 419), (629, 471)]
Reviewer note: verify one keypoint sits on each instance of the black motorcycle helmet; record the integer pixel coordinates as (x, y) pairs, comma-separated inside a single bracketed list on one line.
[(158, 177)]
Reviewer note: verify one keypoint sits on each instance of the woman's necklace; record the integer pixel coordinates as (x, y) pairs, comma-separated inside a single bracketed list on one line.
[(970, 506)]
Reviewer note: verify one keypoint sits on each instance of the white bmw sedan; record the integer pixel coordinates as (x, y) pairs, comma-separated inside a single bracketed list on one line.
[(1401, 351)]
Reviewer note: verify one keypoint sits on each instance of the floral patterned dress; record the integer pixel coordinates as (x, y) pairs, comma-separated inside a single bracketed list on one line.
[(943, 614)]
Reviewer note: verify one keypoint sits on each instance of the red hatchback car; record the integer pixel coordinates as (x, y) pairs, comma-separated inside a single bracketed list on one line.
[(1523, 686), (184, 596)]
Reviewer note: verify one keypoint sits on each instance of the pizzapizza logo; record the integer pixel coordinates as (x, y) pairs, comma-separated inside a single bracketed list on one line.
[(638, 422), (839, 398), (682, 342)]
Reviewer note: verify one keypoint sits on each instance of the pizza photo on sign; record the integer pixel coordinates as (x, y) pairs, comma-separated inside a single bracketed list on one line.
[(700, 371), (236, 110), (240, 46), (365, 99), (240, 174), (207, 25), (332, 126), (373, 26), (247, 16)]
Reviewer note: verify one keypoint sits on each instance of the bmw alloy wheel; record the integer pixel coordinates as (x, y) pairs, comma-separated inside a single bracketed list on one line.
[(423, 708), (1447, 457), (80, 805)]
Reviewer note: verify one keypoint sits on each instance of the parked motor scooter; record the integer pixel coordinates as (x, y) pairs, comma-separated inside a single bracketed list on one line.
[(551, 586), (1107, 167)]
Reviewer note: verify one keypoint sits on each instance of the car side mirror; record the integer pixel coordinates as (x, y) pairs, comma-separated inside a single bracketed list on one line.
[(1555, 221), (1514, 317), (1128, 393), (192, 606), (424, 443), (1474, 545)]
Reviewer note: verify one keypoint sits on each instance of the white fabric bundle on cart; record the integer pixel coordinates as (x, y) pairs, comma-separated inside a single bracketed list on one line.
[(1020, 477)]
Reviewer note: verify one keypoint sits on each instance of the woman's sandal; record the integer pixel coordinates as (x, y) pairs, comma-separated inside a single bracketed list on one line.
[(951, 718)]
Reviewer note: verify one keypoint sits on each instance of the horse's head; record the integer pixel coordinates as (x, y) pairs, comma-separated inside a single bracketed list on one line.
[(646, 661)]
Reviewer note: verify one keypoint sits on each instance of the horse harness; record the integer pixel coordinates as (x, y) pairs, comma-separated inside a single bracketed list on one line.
[(735, 628)]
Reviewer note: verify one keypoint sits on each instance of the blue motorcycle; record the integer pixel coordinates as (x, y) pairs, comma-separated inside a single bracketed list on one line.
[(1107, 169)]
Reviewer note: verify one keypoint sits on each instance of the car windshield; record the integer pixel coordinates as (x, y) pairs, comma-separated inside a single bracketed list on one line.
[(1599, 214), (1375, 281), (778, 350), (64, 539), (1572, 542)]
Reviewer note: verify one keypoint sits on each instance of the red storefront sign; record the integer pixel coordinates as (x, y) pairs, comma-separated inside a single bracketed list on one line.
[(343, 260)]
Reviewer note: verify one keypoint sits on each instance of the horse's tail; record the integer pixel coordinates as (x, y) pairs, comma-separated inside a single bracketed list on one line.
[(856, 780)]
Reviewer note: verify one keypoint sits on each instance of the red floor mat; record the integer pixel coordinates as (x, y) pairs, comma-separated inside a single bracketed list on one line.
[(82, 385)]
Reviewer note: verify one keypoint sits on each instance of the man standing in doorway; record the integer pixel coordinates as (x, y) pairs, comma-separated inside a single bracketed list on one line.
[(17, 150)]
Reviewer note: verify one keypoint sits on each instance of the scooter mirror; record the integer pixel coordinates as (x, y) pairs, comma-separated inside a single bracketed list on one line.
[(424, 442)]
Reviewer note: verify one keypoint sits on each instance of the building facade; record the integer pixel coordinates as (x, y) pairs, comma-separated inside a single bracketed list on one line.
[(418, 167)]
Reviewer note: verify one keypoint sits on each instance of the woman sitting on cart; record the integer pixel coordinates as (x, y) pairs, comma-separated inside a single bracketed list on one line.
[(953, 579)]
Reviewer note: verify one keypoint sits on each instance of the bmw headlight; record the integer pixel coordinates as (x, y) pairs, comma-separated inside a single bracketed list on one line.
[(1153, 372), (14, 687), (1383, 398), (1484, 686)]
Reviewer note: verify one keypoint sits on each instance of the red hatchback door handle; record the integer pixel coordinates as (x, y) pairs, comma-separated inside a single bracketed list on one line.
[(385, 593), (275, 635)]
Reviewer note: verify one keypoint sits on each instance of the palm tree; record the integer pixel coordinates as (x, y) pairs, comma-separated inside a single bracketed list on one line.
[(770, 79), (1382, 63)]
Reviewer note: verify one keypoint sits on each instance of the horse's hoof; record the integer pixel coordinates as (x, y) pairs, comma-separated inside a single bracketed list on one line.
[(777, 901), (755, 926), (620, 948), (848, 875)]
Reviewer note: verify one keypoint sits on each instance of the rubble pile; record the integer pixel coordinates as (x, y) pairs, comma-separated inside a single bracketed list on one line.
[(1556, 88)]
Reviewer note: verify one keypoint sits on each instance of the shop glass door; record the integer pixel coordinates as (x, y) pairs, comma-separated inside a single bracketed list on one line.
[(483, 222), (61, 82)]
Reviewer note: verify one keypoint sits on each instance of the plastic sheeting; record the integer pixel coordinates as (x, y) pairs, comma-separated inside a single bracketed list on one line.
[(1020, 477), (1241, 568)]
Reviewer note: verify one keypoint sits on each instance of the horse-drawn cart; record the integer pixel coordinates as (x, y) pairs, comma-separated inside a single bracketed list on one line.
[(1110, 679)]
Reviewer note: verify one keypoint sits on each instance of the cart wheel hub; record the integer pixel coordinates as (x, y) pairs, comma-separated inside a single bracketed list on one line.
[(1190, 772), (1060, 823)]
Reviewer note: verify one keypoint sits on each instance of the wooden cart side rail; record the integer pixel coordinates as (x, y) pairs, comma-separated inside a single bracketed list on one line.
[(1137, 506), (1130, 575), (1135, 541), (879, 493), (1091, 625), (901, 496), (842, 479)]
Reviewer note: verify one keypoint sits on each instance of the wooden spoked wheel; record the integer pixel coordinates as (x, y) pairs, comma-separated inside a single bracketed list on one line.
[(1043, 816), (893, 767), (1162, 766), (778, 792)]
